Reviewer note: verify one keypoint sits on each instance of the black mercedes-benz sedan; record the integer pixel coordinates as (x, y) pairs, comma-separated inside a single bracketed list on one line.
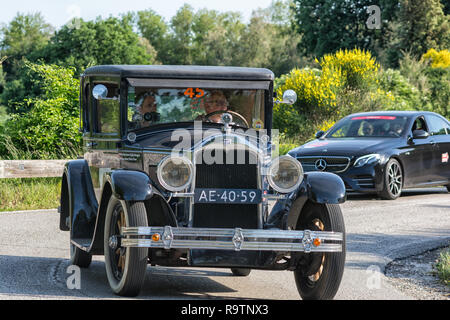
[(382, 152)]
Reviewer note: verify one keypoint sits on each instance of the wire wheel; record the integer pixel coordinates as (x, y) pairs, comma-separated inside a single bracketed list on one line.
[(318, 275), (125, 267), (117, 255), (317, 226)]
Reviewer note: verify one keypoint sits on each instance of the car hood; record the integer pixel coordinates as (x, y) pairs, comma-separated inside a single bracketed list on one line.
[(344, 146)]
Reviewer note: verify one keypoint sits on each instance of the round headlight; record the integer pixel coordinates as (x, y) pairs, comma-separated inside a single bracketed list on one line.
[(175, 173), (285, 174)]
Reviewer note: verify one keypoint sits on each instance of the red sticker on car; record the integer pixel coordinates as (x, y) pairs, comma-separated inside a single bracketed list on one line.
[(317, 144), (375, 117), (445, 157)]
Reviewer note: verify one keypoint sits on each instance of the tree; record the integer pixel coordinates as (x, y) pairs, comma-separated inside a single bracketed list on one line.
[(327, 25), (446, 5), (421, 26), (181, 37), (25, 34), (154, 29), (109, 41)]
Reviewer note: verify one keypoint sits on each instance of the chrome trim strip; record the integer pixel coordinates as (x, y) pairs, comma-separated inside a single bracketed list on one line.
[(328, 164), (238, 239)]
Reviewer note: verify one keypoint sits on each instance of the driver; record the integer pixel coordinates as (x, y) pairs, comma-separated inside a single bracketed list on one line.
[(367, 129), (215, 101)]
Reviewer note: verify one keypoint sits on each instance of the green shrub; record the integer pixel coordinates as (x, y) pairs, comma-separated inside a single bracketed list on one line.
[(50, 128), (439, 90), (443, 266), (406, 96)]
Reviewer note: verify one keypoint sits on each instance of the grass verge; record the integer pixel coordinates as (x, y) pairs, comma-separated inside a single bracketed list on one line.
[(29, 193), (443, 266)]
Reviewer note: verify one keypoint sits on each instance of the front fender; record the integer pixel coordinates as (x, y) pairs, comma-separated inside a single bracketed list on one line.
[(130, 185), (78, 199), (324, 187), (318, 187)]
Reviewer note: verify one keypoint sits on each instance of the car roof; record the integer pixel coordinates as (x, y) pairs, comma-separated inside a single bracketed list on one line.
[(181, 72), (410, 113)]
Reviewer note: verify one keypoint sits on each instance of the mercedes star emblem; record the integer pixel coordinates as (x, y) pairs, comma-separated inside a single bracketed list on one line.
[(320, 164)]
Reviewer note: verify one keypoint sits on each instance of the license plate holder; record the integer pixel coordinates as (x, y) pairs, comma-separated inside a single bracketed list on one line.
[(228, 196)]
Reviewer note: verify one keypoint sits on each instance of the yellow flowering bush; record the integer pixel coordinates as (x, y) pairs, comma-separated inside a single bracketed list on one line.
[(438, 59), (327, 93), (315, 89), (358, 68)]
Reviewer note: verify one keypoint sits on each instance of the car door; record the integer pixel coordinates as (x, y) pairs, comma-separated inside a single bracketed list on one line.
[(419, 171), (440, 131), (101, 151)]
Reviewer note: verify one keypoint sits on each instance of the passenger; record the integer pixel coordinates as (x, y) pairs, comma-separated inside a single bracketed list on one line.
[(146, 111)]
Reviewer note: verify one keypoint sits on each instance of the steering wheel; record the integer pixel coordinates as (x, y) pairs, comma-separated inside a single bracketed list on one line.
[(394, 133), (239, 117)]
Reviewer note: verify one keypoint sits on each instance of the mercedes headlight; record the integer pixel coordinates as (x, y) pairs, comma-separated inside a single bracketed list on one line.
[(368, 159), (175, 173), (285, 174)]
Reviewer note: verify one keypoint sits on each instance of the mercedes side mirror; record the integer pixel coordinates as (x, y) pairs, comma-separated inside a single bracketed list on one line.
[(420, 134), (319, 134)]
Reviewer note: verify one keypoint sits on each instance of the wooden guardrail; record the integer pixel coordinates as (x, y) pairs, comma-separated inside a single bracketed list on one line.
[(31, 168)]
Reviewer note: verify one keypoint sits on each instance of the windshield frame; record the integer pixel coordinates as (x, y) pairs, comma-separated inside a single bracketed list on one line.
[(265, 86)]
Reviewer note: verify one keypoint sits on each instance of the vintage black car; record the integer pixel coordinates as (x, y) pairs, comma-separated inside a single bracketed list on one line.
[(178, 170), (383, 152)]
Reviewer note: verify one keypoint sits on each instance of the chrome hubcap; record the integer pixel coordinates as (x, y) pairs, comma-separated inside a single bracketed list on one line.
[(395, 179)]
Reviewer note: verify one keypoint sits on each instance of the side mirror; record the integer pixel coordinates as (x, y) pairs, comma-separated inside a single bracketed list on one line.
[(289, 97), (100, 92), (319, 134), (420, 134)]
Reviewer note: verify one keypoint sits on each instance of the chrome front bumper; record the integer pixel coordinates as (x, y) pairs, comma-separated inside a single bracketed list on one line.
[(229, 239)]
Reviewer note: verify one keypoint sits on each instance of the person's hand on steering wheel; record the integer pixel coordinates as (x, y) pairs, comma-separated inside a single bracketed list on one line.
[(241, 121)]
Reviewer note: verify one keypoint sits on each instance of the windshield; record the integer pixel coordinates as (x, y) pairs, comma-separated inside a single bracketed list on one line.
[(150, 106), (369, 126)]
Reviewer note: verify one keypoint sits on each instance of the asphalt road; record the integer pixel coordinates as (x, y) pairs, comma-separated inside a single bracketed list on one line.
[(34, 256)]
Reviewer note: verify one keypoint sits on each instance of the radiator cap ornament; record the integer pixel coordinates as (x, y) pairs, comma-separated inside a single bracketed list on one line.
[(226, 119)]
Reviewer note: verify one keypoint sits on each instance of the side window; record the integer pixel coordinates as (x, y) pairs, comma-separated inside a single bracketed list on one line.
[(419, 124), (106, 111), (438, 126)]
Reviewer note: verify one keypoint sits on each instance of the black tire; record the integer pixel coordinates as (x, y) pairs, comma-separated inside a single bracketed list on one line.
[(79, 257), (318, 275), (448, 187), (125, 267), (393, 180), (241, 272)]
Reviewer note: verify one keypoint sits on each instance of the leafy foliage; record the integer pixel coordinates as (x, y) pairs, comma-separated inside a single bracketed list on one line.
[(421, 25), (25, 34), (50, 128), (327, 25), (83, 44), (347, 82)]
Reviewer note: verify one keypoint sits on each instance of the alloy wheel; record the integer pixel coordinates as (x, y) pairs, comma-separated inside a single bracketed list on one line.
[(395, 179)]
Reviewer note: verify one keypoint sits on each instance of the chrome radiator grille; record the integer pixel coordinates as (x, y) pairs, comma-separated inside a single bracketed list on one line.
[(333, 164), (226, 176)]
